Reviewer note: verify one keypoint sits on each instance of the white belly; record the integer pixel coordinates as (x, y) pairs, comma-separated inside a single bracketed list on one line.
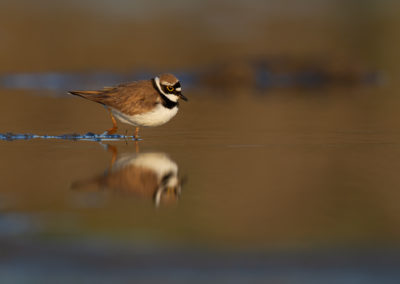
[(158, 116)]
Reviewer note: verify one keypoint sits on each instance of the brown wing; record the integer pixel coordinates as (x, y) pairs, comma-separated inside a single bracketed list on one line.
[(132, 179), (128, 180), (131, 98)]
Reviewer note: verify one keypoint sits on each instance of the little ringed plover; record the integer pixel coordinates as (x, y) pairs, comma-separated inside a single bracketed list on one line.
[(142, 103)]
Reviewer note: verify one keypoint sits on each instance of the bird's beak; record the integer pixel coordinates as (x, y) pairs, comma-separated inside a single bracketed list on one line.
[(183, 97)]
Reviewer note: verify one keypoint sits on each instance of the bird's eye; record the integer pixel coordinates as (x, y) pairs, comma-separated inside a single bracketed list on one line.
[(170, 88)]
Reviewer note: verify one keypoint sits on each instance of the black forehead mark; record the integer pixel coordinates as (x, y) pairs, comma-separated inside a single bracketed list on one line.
[(177, 85)]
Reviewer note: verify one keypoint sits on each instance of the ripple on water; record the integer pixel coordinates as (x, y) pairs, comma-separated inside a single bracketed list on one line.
[(70, 136)]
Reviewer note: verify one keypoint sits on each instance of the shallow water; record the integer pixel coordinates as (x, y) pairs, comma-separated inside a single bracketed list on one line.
[(282, 167), (279, 170)]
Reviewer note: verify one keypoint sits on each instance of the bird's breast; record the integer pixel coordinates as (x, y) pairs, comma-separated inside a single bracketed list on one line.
[(155, 117)]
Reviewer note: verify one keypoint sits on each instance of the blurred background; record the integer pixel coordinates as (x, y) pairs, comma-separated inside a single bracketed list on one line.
[(285, 155), (71, 36)]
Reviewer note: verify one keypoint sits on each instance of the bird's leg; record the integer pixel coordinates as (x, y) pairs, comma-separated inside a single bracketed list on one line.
[(136, 132), (136, 139), (114, 121)]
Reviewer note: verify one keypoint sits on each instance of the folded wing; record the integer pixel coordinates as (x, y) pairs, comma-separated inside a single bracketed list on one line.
[(132, 98)]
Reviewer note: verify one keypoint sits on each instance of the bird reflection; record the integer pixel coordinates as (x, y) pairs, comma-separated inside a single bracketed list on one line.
[(147, 175)]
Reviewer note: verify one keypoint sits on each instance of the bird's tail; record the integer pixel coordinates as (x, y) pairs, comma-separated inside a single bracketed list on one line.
[(85, 94), (95, 96)]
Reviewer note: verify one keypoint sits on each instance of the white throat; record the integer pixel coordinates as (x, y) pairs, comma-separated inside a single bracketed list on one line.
[(171, 97)]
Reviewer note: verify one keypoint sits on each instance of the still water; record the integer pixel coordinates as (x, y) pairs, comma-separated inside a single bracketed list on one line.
[(281, 168), (263, 184)]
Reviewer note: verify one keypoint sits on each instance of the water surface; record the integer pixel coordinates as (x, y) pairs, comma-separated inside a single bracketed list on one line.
[(280, 168), (283, 165)]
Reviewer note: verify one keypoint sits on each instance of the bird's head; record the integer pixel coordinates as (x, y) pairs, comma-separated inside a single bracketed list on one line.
[(169, 86)]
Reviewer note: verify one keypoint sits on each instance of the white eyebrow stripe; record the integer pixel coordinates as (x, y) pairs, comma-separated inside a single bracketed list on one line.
[(157, 81), (178, 89)]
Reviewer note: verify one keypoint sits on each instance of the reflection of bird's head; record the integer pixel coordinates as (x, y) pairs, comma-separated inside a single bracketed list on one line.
[(168, 185), (150, 173), (169, 190)]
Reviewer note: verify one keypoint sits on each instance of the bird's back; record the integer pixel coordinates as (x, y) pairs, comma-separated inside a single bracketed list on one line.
[(130, 98)]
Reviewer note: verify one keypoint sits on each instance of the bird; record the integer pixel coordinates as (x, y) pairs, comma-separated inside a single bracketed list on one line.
[(149, 175), (141, 103)]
